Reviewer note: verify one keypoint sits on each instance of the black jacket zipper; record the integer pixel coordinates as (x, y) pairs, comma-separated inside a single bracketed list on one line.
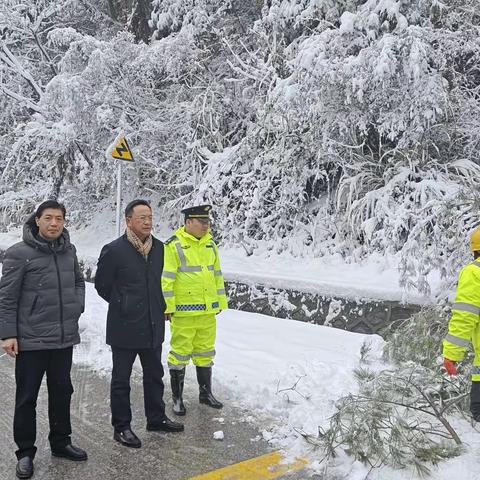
[(60, 296)]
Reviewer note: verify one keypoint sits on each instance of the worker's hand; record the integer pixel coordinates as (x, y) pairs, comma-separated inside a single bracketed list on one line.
[(450, 366), (10, 345), (168, 317)]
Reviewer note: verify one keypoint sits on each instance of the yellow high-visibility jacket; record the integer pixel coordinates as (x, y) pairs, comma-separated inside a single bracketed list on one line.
[(464, 327), (192, 281)]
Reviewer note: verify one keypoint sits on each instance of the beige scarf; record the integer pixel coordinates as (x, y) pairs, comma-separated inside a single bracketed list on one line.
[(143, 247)]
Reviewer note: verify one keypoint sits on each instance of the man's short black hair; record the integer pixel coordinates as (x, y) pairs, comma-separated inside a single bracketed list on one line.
[(50, 204), (134, 203)]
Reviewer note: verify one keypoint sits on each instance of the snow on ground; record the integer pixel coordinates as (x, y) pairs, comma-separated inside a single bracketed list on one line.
[(288, 374), (375, 278)]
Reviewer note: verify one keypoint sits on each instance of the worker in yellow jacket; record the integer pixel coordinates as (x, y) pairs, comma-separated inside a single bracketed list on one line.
[(194, 292), (464, 327)]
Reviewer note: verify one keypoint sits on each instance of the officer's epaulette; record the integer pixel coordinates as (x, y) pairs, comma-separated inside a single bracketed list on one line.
[(171, 239)]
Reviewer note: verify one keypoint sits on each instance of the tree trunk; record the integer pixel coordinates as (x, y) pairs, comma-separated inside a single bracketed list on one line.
[(142, 10), (120, 9)]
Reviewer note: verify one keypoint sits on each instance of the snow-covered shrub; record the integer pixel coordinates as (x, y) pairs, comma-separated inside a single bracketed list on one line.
[(394, 421), (400, 414), (171, 15)]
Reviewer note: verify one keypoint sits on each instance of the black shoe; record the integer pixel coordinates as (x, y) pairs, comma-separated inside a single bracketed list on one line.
[(166, 425), (127, 438), (24, 467), (70, 452), (475, 401)]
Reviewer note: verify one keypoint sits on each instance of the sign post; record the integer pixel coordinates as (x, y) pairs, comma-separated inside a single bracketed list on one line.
[(119, 199), (120, 150)]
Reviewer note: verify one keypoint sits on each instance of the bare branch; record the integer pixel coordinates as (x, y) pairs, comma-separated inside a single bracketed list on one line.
[(10, 60), (23, 100)]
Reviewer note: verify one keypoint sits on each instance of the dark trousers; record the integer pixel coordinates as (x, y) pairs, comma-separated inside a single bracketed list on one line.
[(30, 367), (475, 401), (151, 360)]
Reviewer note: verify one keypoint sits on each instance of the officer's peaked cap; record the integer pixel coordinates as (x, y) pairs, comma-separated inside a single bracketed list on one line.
[(199, 211)]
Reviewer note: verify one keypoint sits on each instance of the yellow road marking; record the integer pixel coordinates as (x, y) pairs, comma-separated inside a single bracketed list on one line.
[(265, 467)]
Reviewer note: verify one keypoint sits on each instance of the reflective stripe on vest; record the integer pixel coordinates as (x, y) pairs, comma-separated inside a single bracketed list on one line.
[(191, 307), (217, 273), (466, 307), (461, 342), (214, 249), (172, 275), (181, 255), (221, 291), (183, 261), (194, 307), (190, 268), (168, 293)]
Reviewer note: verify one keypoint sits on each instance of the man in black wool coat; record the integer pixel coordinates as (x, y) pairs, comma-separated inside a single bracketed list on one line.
[(128, 277)]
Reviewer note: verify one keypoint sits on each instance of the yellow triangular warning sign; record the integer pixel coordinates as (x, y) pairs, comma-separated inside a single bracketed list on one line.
[(121, 150)]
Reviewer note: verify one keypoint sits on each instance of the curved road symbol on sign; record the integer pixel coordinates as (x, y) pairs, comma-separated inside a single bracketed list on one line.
[(122, 151)]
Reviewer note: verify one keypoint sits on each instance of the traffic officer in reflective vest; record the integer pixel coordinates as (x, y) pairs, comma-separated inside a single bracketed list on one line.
[(464, 326), (194, 292)]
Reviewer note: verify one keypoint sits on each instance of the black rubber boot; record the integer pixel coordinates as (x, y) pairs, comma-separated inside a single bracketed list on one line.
[(177, 378), (204, 377), (475, 401)]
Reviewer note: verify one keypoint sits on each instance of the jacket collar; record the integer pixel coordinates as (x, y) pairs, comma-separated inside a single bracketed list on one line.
[(183, 234)]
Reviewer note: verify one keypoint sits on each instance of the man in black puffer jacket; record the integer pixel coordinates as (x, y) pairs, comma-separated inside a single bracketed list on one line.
[(128, 277), (42, 295)]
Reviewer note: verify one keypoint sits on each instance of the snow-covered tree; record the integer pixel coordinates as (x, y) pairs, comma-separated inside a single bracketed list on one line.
[(314, 126)]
